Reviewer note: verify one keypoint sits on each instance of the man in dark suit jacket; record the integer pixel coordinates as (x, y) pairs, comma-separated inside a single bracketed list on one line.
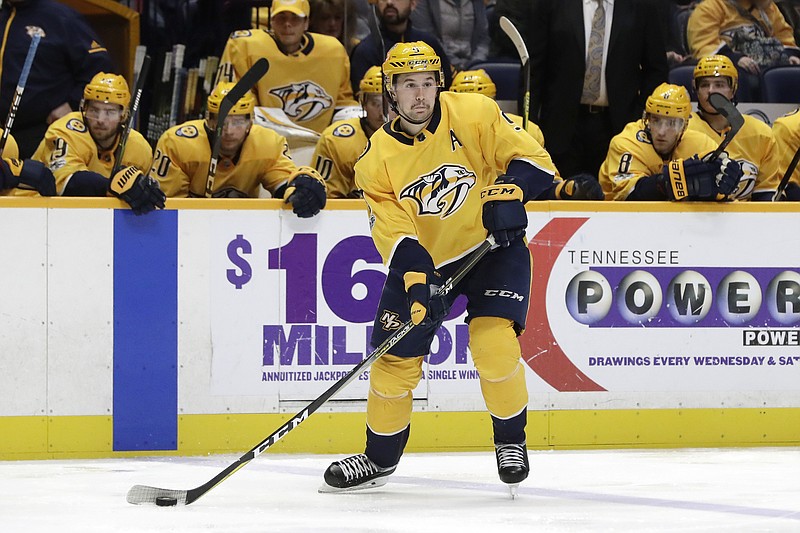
[(578, 135)]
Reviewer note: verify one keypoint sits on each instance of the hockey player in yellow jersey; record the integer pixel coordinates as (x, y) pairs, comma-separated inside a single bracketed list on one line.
[(309, 74), (479, 81), (448, 169), (80, 149), (344, 141), (786, 130), (657, 158), (250, 157), (753, 147)]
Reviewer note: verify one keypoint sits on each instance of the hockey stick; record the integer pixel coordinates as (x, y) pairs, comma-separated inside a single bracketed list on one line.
[(23, 79), (133, 109), (379, 38), (142, 494), (250, 78), (725, 107), (508, 27), (787, 176)]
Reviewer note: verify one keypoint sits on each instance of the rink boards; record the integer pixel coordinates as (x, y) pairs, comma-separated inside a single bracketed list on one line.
[(201, 328)]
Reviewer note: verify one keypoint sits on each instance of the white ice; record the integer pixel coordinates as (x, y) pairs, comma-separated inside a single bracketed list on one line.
[(746, 490)]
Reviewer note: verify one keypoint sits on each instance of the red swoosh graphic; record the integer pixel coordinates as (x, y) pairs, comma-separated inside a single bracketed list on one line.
[(539, 347)]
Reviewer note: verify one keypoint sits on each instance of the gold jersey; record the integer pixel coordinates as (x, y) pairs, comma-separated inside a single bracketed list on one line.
[(336, 154), (428, 186), (631, 157), (68, 147), (753, 148), (308, 85), (787, 139), (184, 151), (532, 128)]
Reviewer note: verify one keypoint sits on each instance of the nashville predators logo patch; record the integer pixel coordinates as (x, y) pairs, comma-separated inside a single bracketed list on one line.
[(748, 180), (74, 124), (643, 137), (390, 320), (188, 132), (241, 33), (303, 101), (442, 192), (345, 130)]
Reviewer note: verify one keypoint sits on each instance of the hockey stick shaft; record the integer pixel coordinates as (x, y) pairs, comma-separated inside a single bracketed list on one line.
[(141, 494), (23, 80), (247, 82), (132, 110), (525, 61), (725, 107), (787, 176)]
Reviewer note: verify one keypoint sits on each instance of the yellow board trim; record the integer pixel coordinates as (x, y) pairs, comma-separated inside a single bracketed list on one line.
[(72, 437)]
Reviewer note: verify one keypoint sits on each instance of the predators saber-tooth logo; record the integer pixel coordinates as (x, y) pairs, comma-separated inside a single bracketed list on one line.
[(303, 100), (442, 192)]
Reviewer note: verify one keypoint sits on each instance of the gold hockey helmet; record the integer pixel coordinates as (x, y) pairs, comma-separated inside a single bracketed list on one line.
[(415, 56), (244, 106), (669, 101), (372, 81), (717, 65), (107, 88), (474, 81)]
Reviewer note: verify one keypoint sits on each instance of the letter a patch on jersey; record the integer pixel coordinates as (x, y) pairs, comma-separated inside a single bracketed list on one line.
[(454, 141)]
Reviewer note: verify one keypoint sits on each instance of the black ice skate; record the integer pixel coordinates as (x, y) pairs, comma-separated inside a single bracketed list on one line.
[(356, 472), (512, 465)]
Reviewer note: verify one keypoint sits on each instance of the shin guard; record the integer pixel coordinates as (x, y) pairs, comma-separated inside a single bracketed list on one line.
[(496, 354)]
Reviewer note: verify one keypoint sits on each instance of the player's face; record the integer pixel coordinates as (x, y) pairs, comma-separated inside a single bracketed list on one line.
[(707, 85), (234, 132), (416, 94), (288, 29), (395, 11), (103, 121), (665, 132), (373, 107)]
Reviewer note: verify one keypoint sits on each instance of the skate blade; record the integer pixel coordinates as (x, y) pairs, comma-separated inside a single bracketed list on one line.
[(513, 488), (373, 484)]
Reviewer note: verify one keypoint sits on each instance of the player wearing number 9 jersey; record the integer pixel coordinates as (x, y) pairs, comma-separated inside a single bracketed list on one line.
[(656, 157), (448, 169)]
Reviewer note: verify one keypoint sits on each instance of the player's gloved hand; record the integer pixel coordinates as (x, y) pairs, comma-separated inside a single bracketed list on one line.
[(28, 174), (792, 192), (141, 192), (580, 187), (306, 192), (728, 175), (691, 179), (425, 306), (504, 215)]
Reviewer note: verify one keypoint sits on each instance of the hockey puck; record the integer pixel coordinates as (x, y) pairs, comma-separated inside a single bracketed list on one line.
[(165, 501)]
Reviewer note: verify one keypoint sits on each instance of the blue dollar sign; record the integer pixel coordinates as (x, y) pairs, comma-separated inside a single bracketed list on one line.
[(237, 279)]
